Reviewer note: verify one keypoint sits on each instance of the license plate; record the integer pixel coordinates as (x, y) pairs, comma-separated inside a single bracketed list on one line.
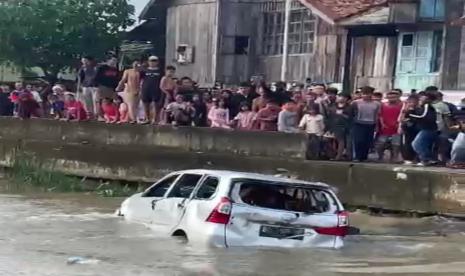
[(282, 232)]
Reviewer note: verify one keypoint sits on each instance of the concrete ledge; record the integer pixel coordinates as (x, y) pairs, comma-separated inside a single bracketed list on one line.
[(108, 155), (183, 138)]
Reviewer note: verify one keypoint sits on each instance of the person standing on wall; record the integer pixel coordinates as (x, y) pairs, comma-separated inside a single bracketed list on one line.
[(86, 89), (389, 136), (6, 106), (425, 118), (408, 129), (106, 80), (365, 117), (130, 84), (152, 96)]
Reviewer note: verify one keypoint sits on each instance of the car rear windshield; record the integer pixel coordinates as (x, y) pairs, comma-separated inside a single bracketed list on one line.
[(283, 196)]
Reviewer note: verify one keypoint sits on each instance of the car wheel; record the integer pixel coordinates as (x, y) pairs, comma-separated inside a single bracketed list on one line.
[(180, 235)]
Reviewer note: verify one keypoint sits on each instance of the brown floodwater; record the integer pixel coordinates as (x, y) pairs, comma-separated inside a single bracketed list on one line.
[(41, 233)]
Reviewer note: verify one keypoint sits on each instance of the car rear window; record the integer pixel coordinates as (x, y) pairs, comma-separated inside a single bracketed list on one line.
[(283, 196)]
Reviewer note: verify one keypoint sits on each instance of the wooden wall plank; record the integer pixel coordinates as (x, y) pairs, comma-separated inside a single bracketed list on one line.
[(451, 45), (193, 25)]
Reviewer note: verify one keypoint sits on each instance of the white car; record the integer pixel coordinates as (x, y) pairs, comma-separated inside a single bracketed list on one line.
[(229, 209)]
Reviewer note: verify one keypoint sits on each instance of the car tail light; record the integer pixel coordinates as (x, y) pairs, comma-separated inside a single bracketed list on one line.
[(222, 212), (343, 218), (342, 228)]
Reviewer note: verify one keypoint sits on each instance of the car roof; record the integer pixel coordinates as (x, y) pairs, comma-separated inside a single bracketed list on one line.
[(264, 177)]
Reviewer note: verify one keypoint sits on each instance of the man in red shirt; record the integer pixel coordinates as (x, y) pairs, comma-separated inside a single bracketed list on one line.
[(389, 137)]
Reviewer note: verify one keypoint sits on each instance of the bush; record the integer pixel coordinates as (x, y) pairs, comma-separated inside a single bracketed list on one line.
[(27, 174)]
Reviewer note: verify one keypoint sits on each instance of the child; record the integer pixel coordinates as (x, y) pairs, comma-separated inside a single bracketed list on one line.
[(57, 106), (59, 91), (35, 94), (180, 113), (123, 113), (74, 109), (14, 97), (244, 120), (339, 125), (27, 106), (458, 148), (200, 115), (313, 124), (219, 114), (168, 84), (110, 111), (287, 119)]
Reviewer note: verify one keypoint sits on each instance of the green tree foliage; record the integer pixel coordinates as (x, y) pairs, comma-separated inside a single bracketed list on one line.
[(53, 34)]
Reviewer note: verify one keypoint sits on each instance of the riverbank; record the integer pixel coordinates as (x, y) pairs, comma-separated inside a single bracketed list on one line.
[(144, 153)]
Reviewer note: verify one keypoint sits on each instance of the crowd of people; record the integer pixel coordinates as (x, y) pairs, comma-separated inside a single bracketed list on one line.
[(422, 129)]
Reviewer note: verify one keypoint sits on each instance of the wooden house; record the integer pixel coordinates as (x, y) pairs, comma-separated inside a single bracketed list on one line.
[(407, 44)]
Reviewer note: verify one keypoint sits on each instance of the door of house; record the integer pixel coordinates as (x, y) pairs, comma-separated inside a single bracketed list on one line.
[(418, 61), (371, 63)]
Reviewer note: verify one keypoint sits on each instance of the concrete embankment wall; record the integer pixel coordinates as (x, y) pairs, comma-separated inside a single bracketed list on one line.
[(144, 153)]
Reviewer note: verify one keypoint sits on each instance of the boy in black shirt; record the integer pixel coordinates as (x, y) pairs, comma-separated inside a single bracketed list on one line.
[(151, 92), (425, 118)]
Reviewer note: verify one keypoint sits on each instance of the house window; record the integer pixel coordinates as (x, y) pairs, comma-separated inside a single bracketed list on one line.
[(437, 51), (420, 53), (235, 45), (432, 9), (241, 45), (302, 25)]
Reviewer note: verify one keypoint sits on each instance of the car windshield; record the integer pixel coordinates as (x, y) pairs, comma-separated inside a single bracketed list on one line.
[(283, 196)]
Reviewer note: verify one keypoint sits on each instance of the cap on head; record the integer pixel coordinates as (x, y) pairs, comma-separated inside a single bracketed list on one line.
[(70, 94), (153, 58)]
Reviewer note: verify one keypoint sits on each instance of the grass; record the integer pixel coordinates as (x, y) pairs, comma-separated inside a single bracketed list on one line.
[(29, 175)]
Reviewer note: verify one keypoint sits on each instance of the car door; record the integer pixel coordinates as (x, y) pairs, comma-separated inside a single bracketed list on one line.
[(141, 205), (169, 211), (199, 209)]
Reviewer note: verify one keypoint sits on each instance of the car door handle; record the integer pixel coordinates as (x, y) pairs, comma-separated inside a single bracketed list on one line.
[(154, 203), (180, 205)]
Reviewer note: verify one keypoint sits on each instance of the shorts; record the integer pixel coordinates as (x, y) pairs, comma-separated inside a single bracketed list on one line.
[(394, 140), (87, 97), (340, 132), (150, 97), (105, 92)]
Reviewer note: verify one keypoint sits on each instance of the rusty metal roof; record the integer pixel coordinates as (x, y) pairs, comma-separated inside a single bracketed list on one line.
[(335, 10)]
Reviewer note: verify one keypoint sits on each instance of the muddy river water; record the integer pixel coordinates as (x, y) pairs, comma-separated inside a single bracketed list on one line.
[(40, 234)]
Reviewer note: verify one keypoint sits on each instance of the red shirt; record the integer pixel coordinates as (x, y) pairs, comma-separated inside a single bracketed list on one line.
[(389, 116), (267, 118), (110, 110), (14, 96), (76, 110)]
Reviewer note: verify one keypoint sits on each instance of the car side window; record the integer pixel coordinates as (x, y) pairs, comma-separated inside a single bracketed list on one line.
[(208, 188), (185, 186), (160, 189)]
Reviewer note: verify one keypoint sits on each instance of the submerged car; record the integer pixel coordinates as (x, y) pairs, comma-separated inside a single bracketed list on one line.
[(229, 209)]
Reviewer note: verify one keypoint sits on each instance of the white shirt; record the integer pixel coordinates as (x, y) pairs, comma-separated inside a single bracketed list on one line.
[(36, 96), (313, 124)]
